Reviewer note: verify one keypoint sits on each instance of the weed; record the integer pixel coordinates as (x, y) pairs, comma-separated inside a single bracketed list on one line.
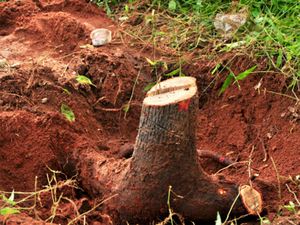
[(83, 79), (264, 220), (67, 112), (239, 77), (291, 207), (8, 207)]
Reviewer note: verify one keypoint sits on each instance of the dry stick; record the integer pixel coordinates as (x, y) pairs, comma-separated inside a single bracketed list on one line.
[(35, 190), (236, 219), (168, 202), (95, 207), (249, 166), (119, 89), (295, 196), (231, 207), (103, 97), (118, 109), (67, 66), (278, 181), (262, 143), (272, 92), (132, 92), (234, 164)]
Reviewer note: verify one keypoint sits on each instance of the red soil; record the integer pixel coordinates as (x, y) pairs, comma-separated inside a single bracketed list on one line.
[(40, 41)]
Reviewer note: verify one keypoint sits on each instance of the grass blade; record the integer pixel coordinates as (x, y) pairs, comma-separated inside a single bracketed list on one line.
[(173, 72), (149, 86), (226, 83), (245, 73)]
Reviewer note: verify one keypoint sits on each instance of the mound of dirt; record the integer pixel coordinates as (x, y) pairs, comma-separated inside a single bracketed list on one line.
[(41, 46)]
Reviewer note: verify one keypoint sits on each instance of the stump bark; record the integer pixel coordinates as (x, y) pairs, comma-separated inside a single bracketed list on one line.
[(164, 155)]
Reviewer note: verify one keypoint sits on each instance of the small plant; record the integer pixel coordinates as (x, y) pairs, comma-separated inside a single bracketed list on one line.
[(65, 90), (291, 207), (239, 77), (8, 207), (83, 79), (264, 220), (67, 112)]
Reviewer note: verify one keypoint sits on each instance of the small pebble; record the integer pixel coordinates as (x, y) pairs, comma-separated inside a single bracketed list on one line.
[(100, 37), (44, 100)]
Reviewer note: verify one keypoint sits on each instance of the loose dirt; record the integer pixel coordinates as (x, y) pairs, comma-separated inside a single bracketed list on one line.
[(41, 42)]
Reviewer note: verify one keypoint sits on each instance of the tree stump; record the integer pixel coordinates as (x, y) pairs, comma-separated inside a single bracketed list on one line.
[(164, 155)]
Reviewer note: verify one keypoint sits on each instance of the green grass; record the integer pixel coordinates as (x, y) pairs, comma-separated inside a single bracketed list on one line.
[(175, 27)]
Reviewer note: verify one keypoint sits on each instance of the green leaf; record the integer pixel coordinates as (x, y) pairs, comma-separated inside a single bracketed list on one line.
[(181, 74), (215, 69), (65, 90), (173, 72), (218, 221), (149, 86), (291, 207), (127, 107), (280, 37), (67, 112), (107, 7), (151, 63), (172, 5), (226, 83), (166, 65), (292, 84), (6, 211), (178, 64), (8, 200), (279, 59), (245, 73), (83, 79), (264, 220)]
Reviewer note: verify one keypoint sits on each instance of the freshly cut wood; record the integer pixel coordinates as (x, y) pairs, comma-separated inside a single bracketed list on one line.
[(164, 155)]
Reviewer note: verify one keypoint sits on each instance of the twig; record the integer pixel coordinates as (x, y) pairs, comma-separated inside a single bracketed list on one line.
[(234, 164), (119, 89), (295, 196), (168, 202), (117, 109), (249, 166), (103, 97), (262, 143), (278, 181), (250, 181), (35, 190), (231, 207), (132, 92)]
